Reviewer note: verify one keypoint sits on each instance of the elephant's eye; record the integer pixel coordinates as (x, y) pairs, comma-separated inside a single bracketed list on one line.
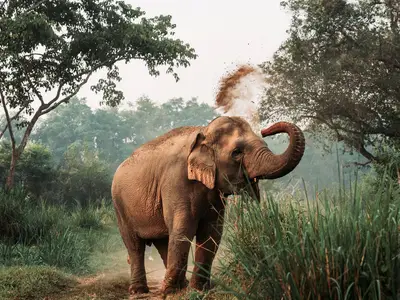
[(236, 152)]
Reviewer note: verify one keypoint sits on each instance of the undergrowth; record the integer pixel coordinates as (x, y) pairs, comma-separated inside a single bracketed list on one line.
[(33, 282), (340, 244), (35, 233)]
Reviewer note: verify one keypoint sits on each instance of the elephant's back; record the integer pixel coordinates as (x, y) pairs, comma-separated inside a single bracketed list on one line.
[(179, 134)]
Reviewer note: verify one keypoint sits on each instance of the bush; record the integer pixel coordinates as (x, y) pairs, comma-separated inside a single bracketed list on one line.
[(87, 217), (83, 178), (23, 220), (342, 246), (80, 178), (36, 233), (34, 170), (66, 250)]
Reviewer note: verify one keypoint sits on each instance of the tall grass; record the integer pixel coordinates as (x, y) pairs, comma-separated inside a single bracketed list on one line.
[(334, 245), (34, 233)]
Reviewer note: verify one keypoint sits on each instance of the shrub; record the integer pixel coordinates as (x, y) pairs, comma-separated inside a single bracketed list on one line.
[(342, 246), (19, 255), (34, 170), (87, 217), (23, 219), (83, 178), (36, 233), (66, 250)]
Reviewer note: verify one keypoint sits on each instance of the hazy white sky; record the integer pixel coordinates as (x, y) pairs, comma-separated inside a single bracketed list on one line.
[(223, 33)]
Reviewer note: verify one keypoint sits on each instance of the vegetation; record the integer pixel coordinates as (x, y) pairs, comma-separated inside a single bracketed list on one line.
[(335, 245), (338, 72), (328, 230), (114, 133), (63, 217), (56, 46), (32, 282)]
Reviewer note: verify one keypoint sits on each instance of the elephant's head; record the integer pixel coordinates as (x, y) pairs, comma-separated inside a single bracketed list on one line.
[(223, 153)]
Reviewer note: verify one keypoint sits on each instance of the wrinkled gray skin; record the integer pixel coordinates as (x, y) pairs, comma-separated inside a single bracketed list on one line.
[(172, 189)]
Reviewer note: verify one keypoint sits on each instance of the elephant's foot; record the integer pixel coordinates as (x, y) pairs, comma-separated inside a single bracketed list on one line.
[(170, 288), (138, 288), (201, 284)]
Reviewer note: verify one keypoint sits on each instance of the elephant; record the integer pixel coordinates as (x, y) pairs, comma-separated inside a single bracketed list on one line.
[(173, 189)]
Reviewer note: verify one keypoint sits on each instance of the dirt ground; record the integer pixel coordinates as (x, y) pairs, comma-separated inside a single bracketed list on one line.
[(113, 281)]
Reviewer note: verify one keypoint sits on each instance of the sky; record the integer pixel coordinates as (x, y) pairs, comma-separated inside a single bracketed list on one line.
[(223, 33)]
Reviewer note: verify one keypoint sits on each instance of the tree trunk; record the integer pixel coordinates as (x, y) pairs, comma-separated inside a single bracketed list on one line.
[(398, 176), (16, 151), (11, 171)]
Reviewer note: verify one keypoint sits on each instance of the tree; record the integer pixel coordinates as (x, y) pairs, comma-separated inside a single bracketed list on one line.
[(339, 72), (64, 126), (113, 134), (50, 49), (34, 168)]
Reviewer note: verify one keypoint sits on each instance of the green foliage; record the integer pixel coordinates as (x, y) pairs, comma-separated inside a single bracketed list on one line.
[(67, 125), (338, 71), (82, 177), (79, 178), (341, 245), (65, 249), (33, 233), (48, 45), (23, 219), (34, 169), (89, 217), (57, 46), (32, 282), (113, 134)]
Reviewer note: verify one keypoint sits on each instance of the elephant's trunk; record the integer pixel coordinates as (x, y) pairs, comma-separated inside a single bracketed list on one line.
[(271, 166)]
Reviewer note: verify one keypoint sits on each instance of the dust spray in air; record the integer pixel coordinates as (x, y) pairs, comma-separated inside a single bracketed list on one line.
[(240, 94)]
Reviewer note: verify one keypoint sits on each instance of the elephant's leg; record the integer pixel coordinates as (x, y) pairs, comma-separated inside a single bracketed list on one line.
[(180, 237), (136, 249), (162, 247), (208, 237)]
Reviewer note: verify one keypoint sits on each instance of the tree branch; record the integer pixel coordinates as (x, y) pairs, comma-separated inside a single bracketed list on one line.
[(53, 102), (12, 118), (3, 101), (34, 89), (48, 107), (88, 73), (44, 109), (389, 63), (361, 149), (32, 8), (355, 163), (3, 4)]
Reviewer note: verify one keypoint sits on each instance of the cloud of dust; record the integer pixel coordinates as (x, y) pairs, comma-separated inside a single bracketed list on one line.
[(240, 93)]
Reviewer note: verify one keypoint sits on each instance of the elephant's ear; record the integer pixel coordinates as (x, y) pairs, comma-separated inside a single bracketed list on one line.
[(201, 162)]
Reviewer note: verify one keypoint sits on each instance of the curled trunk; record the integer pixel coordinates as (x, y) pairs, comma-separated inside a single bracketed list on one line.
[(273, 166)]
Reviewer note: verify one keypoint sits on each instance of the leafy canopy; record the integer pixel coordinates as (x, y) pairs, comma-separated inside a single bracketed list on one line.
[(55, 46), (113, 134), (339, 71)]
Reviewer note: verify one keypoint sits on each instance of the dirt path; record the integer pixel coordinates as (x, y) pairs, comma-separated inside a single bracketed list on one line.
[(112, 282)]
